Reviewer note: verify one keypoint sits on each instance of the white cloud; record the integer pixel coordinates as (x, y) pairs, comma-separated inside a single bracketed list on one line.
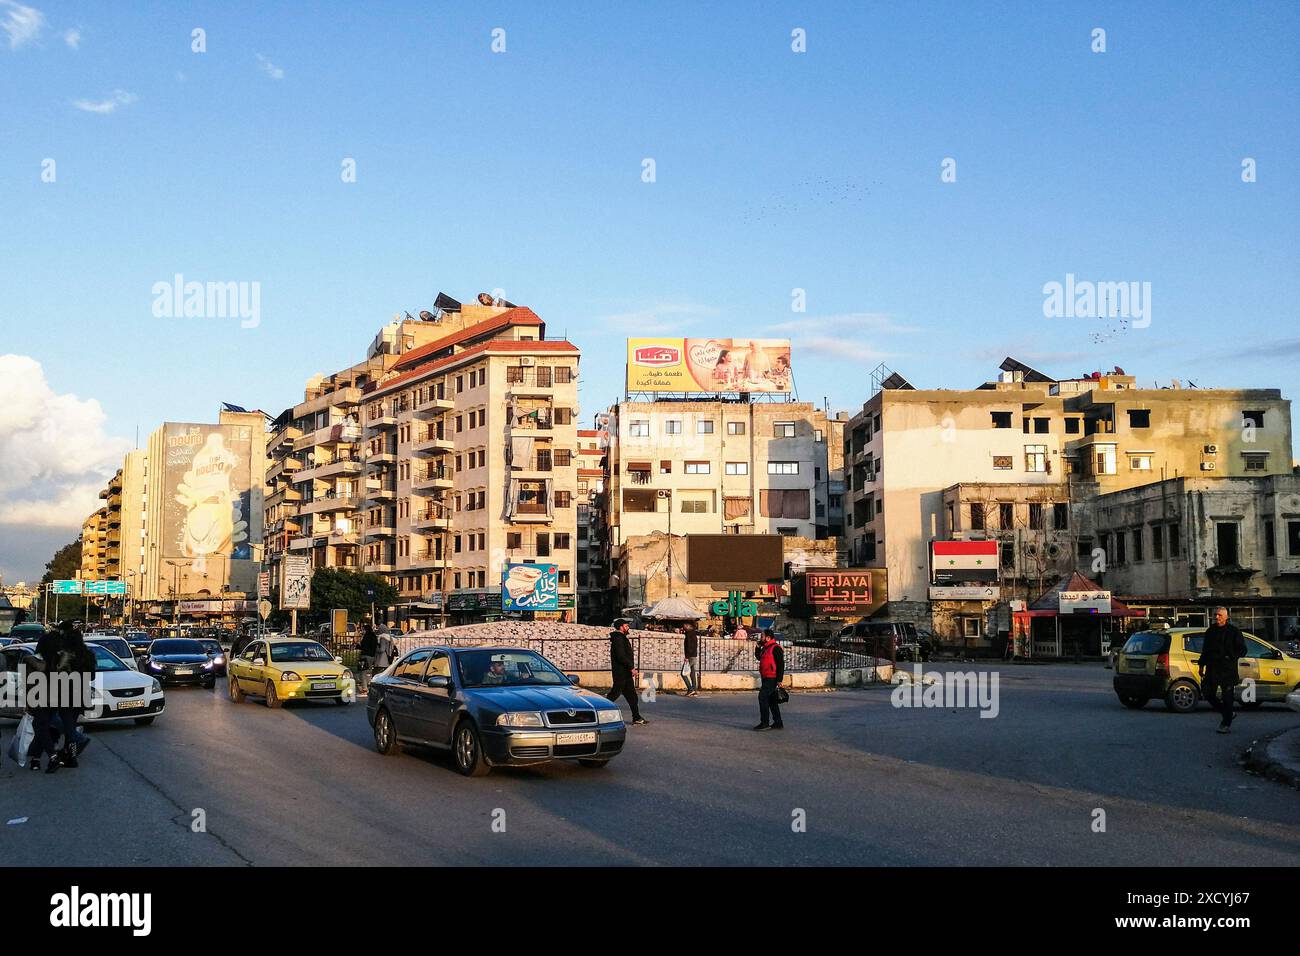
[(22, 24), (119, 98), (269, 68), (54, 453), (661, 319), (72, 38), (879, 323)]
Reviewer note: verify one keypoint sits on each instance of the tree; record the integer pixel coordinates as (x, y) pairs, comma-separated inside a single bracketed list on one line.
[(338, 588), (65, 564)]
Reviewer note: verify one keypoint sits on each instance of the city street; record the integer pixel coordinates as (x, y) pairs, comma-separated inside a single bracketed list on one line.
[(876, 784)]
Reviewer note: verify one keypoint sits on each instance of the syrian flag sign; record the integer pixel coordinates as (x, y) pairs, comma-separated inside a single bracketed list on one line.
[(963, 562)]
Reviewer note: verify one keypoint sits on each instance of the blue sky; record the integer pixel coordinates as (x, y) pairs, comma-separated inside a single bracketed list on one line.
[(521, 170)]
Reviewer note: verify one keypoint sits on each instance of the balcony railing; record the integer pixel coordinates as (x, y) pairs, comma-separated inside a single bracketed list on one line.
[(639, 477)]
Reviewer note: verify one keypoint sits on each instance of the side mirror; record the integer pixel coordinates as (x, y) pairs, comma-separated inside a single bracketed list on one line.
[(338, 660), (573, 678), (259, 661), (438, 680)]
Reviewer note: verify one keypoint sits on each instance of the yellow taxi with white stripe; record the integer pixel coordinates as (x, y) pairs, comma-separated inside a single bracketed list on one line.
[(280, 669)]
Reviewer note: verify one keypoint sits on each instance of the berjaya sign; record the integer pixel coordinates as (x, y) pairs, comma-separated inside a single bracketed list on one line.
[(1084, 602), (856, 592)]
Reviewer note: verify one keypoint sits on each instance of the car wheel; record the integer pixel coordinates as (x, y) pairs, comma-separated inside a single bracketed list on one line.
[(272, 699), (236, 692), (468, 751), (589, 762), (208, 685), (1182, 696), (1131, 702), (143, 721), (385, 733)]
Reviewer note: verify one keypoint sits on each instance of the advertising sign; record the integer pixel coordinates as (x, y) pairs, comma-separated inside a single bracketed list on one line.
[(742, 560), (207, 492), (530, 587), (857, 592), (963, 562), (295, 583), (1085, 602), (264, 584), (967, 592), (708, 365)]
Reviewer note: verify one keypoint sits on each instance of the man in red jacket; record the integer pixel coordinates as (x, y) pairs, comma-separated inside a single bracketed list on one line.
[(771, 671)]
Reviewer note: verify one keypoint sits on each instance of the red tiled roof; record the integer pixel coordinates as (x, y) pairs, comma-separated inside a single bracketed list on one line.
[(591, 451), (520, 315), (592, 472), (589, 433), (495, 346)]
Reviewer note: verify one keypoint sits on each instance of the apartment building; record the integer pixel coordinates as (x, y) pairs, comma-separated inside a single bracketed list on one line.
[(592, 569), (1179, 547), (471, 442), (134, 515), (94, 546), (707, 467), (1049, 441)]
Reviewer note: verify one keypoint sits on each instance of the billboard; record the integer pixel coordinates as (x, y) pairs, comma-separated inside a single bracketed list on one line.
[(530, 587), (1084, 602), (708, 365), (295, 583), (744, 560), (963, 562), (207, 492), (857, 591)]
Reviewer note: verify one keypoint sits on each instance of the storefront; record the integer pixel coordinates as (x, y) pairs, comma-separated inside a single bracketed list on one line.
[(1075, 618)]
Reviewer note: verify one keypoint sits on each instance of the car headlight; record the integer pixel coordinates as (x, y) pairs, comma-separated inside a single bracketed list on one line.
[(347, 675), (290, 676), (155, 665), (520, 719), (614, 716), (157, 687), (209, 665), (219, 659)]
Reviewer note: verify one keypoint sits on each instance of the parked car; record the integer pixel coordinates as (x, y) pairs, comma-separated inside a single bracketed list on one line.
[(492, 707), (284, 669), (179, 660), (1163, 664), (877, 636), (117, 645), (30, 631), (119, 693), (139, 641)]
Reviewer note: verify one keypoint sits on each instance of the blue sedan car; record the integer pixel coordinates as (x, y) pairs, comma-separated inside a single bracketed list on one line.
[(491, 707)]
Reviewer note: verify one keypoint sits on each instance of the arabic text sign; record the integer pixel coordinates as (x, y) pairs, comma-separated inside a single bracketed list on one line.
[(67, 587), (295, 583), (708, 365), (530, 587), (849, 591), (1085, 602)]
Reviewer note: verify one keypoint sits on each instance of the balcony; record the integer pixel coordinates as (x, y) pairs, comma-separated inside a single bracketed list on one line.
[(283, 496), (343, 538), (381, 458), (344, 397), (384, 529), (431, 443), (283, 467), (300, 544), (531, 513), (385, 419), (639, 477), (426, 558), (342, 465), (432, 478), (379, 490), (521, 381), (383, 566), (284, 438), (330, 503), (434, 405), (430, 518)]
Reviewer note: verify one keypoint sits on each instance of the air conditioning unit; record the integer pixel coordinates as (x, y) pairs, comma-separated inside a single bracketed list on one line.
[(1211, 449), (527, 360), (663, 494), (1207, 466)]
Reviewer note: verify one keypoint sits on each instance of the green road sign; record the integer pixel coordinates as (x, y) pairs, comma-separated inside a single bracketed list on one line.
[(67, 587)]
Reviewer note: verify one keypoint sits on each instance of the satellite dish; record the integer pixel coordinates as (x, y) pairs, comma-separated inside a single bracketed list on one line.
[(428, 316), (485, 298)]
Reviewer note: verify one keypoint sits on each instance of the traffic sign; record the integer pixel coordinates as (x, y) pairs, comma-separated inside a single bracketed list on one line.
[(264, 609), (117, 588), (67, 587)]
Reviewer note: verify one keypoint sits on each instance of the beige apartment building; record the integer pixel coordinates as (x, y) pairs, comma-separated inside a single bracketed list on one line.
[(1041, 441), (592, 569), (94, 546), (471, 446), (678, 468)]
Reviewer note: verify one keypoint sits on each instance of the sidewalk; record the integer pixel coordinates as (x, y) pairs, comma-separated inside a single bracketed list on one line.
[(1277, 757)]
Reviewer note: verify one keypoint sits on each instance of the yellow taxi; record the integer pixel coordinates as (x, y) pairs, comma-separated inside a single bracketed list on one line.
[(289, 668), (1162, 663)]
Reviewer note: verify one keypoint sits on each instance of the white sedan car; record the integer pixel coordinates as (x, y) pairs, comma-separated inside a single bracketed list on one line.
[(117, 691)]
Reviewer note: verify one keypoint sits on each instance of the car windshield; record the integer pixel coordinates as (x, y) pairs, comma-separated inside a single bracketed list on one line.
[(506, 668), (304, 651), (114, 644), (1148, 642), (213, 646), (106, 661), (175, 646)]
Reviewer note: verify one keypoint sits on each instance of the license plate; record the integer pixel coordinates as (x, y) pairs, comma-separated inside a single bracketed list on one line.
[(585, 738), (184, 671), (129, 704), (324, 685)]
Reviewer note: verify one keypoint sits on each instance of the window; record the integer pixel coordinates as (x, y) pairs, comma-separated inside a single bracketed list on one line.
[(564, 499), (1121, 547), (665, 467), (543, 545), (1083, 548), (563, 374), (1042, 426), (1104, 459), (563, 579), (1060, 516), (1036, 515), (514, 375), (563, 457), (1103, 542), (1137, 544), (460, 425), (1001, 419), (737, 468), (783, 468), (1035, 458), (704, 426), (1225, 533), (697, 468), (1256, 462), (787, 532), (460, 383), (638, 429), (694, 506), (1139, 462), (563, 542), (783, 429), (673, 427), (412, 668), (1293, 539), (1006, 515), (514, 540), (1002, 462), (1007, 554), (1255, 418), (1139, 418), (735, 428), (1175, 540), (563, 415), (1157, 543), (1072, 426), (1270, 540), (977, 515)]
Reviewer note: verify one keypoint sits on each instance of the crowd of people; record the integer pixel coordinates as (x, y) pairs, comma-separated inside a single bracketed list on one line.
[(66, 666)]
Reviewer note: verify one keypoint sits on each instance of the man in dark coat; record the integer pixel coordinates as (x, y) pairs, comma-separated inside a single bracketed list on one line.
[(622, 665), (1223, 647)]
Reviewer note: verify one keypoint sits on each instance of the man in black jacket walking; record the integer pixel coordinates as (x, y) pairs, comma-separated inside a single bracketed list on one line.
[(623, 666), (1223, 647)]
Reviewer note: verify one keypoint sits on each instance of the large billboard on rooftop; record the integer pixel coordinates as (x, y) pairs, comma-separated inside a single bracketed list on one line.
[(708, 365)]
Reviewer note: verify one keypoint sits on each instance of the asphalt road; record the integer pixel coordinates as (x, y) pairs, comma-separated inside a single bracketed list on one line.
[(876, 785)]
